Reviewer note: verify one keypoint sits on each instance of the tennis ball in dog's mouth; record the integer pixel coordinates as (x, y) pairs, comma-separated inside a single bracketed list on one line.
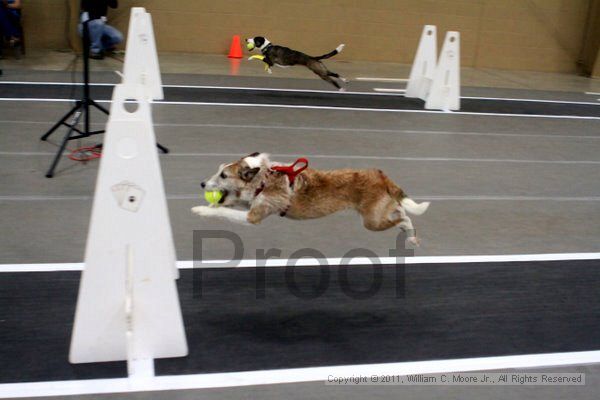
[(213, 196), (250, 46)]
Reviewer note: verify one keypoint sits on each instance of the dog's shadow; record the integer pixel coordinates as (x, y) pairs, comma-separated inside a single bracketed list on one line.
[(313, 325)]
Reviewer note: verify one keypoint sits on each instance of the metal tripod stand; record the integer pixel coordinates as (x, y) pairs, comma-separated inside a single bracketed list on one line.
[(80, 110)]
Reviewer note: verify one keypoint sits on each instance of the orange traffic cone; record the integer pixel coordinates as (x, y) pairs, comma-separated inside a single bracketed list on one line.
[(235, 51)]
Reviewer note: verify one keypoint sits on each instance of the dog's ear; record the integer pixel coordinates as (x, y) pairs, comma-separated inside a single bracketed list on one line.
[(255, 154), (259, 41), (247, 174)]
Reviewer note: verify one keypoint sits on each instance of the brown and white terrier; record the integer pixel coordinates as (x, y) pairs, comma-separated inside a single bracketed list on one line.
[(262, 188)]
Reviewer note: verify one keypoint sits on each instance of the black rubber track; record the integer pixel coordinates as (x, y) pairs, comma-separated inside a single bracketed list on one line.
[(364, 101), (420, 312)]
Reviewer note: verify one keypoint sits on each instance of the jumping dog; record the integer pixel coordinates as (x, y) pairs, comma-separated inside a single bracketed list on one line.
[(286, 57), (262, 188)]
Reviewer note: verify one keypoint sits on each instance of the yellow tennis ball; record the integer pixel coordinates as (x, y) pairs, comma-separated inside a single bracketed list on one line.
[(250, 46), (213, 196)]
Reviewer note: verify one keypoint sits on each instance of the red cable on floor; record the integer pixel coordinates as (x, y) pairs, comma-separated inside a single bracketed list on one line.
[(86, 153)]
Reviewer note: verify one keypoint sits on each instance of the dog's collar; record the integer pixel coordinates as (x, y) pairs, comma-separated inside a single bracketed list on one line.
[(284, 212), (260, 189), (265, 47)]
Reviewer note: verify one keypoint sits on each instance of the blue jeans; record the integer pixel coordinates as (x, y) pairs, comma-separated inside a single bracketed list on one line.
[(102, 36), (9, 22)]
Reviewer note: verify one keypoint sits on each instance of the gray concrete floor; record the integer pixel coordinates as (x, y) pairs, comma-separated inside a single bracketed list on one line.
[(45, 60), (498, 185), (318, 390)]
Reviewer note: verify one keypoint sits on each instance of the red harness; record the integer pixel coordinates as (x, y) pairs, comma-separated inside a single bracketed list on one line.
[(291, 171)]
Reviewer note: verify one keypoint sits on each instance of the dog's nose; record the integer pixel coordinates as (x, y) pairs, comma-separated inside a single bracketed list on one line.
[(203, 185)]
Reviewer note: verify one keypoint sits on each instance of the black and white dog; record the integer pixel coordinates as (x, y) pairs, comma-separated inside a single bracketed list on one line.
[(286, 57)]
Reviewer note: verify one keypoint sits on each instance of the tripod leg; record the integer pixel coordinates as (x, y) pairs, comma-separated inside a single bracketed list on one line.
[(99, 107), (61, 121), (162, 148), (63, 144), (86, 116)]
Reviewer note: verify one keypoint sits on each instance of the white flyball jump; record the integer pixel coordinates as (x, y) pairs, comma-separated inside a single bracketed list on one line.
[(436, 81), (423, 68), (128, 306)]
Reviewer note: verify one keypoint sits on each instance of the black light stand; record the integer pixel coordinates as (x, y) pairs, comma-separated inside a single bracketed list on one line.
[(81, 108)]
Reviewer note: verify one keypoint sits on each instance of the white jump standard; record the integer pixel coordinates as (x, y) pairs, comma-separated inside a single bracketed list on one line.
[(436, 81), (424, 65), (128, 306)]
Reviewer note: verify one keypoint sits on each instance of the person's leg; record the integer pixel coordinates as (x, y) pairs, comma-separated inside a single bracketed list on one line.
[(111, 37), (96, 28), (7, 27), (14, 16)]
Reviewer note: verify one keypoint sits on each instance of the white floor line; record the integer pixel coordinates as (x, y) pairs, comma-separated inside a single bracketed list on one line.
[(200, 87), (307, 262), (509, 198), (546, 136), (268, 89), (27, 153), (379, 91), (355, 157), (194, 196), (281, 376), (330, 108), (330, 129), (369, 79), (532, 100), (585, 199), (593, 93), (44, 83), (20, 121), (45, 267), (392, 158), (42, 100), (53, 83), (26, 197), (389, 90)]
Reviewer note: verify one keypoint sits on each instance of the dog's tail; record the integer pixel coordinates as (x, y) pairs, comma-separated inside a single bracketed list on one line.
[(331, 53), (407, 203), (413, 207)]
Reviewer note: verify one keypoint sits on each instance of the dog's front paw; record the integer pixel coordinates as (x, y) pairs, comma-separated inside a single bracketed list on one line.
[(415, 241), (203, 211)]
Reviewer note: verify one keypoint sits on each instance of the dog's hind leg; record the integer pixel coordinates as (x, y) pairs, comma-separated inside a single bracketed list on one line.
[(406, 225), (336, 75), (387, 214), (381, 215), (320, 69), (332, 81)]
